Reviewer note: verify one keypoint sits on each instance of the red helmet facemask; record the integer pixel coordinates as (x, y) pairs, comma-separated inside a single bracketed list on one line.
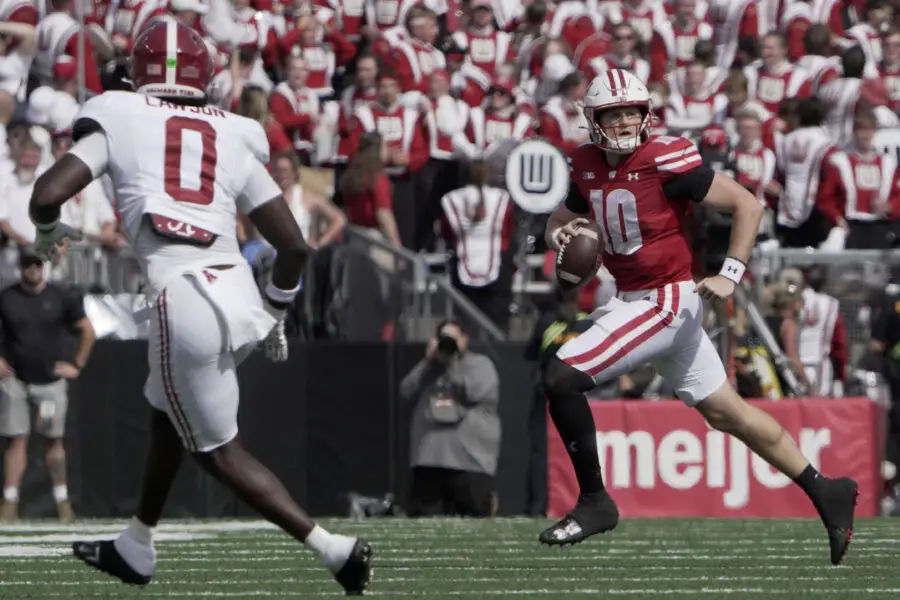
[(171, 60)]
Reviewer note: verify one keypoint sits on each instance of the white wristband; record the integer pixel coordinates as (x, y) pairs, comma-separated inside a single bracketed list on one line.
[(276, 294), (733, 270)]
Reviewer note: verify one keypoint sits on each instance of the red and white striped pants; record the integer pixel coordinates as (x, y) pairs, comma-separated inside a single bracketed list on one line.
[(662, 327)]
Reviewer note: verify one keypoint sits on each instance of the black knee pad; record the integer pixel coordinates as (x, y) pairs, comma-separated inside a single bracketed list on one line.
[(561, 379)]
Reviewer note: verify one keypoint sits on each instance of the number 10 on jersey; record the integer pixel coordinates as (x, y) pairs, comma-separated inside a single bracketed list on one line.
[(618, 217)]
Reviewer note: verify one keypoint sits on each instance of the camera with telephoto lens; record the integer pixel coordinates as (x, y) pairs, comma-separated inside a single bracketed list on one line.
[(447, 345)]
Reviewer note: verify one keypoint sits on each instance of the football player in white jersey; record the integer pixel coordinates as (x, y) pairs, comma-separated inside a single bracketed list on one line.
[(181, 170)]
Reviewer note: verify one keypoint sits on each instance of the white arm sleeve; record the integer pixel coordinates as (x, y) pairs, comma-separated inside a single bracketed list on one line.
[(93, 151), (259, 189)]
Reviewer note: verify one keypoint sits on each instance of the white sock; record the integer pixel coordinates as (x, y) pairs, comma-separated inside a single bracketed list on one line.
[(332, 549), (61, 493), (139, 532), (11, 494), (135, 544)]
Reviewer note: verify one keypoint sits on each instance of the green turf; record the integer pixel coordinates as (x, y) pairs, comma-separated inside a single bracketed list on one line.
[(451, 558)]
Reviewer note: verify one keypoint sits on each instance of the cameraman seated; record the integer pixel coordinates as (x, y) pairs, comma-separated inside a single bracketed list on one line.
[(455, 438)]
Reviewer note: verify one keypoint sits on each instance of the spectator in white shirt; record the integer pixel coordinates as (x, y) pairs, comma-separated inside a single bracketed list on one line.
[(17, 43), (245, 70), (55, 107), (15, 192)]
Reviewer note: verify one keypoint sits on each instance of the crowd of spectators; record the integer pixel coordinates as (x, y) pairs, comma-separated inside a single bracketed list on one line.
[(376, 110)]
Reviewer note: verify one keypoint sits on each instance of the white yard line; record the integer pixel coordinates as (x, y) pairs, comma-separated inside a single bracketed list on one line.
[(553, 593), (165, 526)]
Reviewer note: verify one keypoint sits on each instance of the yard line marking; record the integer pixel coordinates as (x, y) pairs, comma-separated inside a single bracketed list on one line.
[(536, 592)]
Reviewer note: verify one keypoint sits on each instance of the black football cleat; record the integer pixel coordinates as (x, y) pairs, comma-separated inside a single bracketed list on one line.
[(103, 556), (356, 573), (836, 502), (593, 514)]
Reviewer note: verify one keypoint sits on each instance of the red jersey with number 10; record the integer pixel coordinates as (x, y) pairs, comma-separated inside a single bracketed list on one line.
[(645, 244)]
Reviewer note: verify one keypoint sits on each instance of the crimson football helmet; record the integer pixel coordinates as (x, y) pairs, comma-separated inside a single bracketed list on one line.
[(170, 60), (611, 89)]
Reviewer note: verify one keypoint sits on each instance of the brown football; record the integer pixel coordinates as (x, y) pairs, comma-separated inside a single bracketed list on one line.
[(579, 260)]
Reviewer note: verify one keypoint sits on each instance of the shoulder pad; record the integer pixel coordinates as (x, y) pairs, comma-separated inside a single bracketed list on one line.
[(93, 116), (573, 155), (255, 139), (665, 152), (663, 144)]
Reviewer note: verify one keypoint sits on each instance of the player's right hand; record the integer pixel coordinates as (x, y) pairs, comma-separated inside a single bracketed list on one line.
[(565, 233)]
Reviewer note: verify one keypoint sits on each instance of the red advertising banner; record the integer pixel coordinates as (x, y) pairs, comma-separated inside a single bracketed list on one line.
[(661, 459)]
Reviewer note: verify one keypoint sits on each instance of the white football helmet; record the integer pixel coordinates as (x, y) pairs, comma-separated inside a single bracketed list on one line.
[(616, 88)]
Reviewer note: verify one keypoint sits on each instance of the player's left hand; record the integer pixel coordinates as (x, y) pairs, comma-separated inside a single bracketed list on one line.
[(48, 244), (716, 287), (275, 345)]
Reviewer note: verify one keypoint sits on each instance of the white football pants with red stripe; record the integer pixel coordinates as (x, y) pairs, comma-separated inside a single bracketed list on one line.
[(203, 326), (662, 327)]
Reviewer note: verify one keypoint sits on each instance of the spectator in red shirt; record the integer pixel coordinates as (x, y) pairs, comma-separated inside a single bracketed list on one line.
[(254, 104), (366, 189)]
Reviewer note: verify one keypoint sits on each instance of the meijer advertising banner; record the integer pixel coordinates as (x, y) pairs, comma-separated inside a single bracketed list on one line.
[(661, 459)]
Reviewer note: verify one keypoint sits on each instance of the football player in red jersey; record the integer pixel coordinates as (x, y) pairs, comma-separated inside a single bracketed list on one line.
[(638, 187)]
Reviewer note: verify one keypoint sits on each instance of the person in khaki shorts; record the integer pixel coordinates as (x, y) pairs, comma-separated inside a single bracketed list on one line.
[(37, 318)]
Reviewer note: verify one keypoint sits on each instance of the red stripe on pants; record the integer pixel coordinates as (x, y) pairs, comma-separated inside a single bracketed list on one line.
[(166, 372)]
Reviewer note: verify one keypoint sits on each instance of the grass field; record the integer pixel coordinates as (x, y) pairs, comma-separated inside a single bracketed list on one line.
[(451, 558)]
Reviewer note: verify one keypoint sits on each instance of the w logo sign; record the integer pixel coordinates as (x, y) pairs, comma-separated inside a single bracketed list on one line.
[(536, 173), (537, 176)]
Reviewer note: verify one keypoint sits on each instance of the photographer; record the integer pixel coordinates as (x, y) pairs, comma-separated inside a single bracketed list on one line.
[(455, 438)]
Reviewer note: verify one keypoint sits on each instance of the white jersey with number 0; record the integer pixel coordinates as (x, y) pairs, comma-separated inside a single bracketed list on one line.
[(194, 165)]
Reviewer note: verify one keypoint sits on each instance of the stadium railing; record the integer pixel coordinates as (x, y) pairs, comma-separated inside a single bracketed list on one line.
[(431, 296), (856, 278)]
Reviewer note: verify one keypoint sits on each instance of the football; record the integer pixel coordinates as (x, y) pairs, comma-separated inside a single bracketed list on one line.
[(579, 260)]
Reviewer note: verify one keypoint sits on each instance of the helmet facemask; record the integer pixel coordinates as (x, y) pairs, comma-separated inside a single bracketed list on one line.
[(609, 139)]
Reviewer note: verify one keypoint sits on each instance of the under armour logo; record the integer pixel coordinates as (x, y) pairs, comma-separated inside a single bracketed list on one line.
[(732, 270), (612, 174), (633, 176), (572, 447), (209, 276)]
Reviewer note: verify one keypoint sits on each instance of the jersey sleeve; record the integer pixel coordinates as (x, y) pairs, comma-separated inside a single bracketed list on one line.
[(673, 157), (680, 168), (94, 116), (259, 189), (256, 140), (93, 151)]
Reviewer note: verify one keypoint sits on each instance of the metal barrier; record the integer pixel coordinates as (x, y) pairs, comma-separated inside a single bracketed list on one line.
[(855, 277), (427, 292), (90, 266)]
